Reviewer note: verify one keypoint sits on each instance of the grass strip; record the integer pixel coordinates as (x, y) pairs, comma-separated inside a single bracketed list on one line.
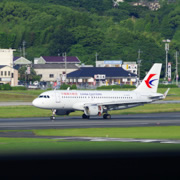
[(158, 132), (30, 111), (22, 146)]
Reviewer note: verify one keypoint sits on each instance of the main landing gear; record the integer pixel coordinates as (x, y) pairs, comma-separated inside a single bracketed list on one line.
[(84, 116), (107, 116), (53, 114)]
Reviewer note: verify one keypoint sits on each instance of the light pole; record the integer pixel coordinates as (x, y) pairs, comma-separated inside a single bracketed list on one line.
[(166, 41), (177, 76)]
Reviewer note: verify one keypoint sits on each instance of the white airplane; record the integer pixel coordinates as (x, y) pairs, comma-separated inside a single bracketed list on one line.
[(96, 103)]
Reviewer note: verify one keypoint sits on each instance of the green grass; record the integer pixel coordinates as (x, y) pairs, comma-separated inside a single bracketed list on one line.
[(160, 132), (19, 95), (30, 111), (9, 146), (23, 111)]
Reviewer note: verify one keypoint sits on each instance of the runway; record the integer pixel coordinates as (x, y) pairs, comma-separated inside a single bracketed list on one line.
[(132, 120)]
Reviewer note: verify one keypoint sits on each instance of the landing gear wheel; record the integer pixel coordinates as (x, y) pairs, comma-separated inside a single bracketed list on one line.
[(53, 114), (107, 116), (84, 116), (52, 117)]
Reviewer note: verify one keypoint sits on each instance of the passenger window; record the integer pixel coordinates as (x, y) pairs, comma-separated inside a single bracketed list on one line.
[(48, 97)]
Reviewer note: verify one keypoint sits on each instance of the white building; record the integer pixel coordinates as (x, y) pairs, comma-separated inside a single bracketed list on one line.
[(7, 73), (54, 72), (109, 63), (6, 57), (128, 66)]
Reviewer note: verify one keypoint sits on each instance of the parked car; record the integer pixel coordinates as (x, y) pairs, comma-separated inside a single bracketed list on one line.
[(165, 82), (36, 83)]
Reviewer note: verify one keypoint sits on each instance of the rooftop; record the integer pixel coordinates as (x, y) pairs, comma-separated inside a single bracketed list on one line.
[(108, 71), (61, 59), (54, 66)]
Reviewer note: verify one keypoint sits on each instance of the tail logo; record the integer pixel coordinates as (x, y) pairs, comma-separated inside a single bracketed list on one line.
[(149, 81)]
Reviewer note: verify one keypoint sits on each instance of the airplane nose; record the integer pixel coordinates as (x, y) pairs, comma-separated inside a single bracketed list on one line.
[(35, 103)]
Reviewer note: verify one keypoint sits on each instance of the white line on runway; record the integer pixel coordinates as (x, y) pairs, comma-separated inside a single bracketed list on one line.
[(101, 139)]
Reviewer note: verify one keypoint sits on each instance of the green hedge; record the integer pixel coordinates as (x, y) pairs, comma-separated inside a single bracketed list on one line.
[(167, 86), (19, 88), (5, 87), (8, 87), (65, 86), (116, 87)]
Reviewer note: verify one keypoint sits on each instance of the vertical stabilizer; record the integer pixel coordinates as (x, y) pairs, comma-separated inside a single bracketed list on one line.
[(151, 81)]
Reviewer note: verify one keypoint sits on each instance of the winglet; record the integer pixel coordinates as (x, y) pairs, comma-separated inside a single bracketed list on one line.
[(165, 94)]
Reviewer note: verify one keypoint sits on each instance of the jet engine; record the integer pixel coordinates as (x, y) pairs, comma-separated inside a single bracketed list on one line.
[(63, 112), (93, 110)]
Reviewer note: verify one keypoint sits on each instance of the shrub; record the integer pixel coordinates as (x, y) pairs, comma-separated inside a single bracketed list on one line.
[(64, 86), (6, 87), (73, 86), (167, 86), (19, 88), (116, 87)]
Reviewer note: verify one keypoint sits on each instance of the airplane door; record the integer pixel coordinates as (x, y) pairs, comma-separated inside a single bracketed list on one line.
[(57, 94)]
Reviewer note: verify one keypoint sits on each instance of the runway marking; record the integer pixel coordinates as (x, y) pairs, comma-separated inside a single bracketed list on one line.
[(101, 139)]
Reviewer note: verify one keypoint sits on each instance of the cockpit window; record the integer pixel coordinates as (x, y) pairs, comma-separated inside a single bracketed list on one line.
[(45, 96)]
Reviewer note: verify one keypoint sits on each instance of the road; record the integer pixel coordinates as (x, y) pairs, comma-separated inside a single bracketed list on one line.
[(133, 120)]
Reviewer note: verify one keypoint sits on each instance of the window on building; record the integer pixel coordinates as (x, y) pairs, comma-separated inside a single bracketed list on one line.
[(5, 73), (40, 75), (9, 73), (1, 73), (51, 75)]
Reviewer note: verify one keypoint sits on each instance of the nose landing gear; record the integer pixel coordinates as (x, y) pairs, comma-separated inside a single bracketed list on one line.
[(53, 114)]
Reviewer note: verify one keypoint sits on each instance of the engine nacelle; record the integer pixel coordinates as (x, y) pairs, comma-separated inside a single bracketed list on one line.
[(63, 112), (93, 110)]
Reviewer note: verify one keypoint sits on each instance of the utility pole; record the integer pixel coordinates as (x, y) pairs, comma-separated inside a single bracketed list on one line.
[(96, 55), (24, 53), (177, 76), (20, 51), (65, 61), (167, 41), (139, 62)]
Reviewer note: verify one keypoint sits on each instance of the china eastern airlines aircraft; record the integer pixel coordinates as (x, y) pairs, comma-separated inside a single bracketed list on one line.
[(97, 103)]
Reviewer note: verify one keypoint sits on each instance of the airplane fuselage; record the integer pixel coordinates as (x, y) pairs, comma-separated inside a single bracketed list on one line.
[(73, 99)]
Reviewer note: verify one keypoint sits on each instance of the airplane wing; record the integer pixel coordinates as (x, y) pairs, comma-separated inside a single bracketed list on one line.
[(120, 103)]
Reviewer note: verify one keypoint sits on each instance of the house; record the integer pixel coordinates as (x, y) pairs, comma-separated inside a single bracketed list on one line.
[(57, 60), (128, 66), (90, 76), (54, 72), (8, 75), (21, 61), (55, 68)]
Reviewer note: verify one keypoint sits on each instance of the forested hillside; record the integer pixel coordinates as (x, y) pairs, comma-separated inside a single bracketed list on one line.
[(82, 28)]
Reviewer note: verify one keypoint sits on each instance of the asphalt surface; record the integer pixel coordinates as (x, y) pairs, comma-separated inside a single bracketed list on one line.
[(133, 120)]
